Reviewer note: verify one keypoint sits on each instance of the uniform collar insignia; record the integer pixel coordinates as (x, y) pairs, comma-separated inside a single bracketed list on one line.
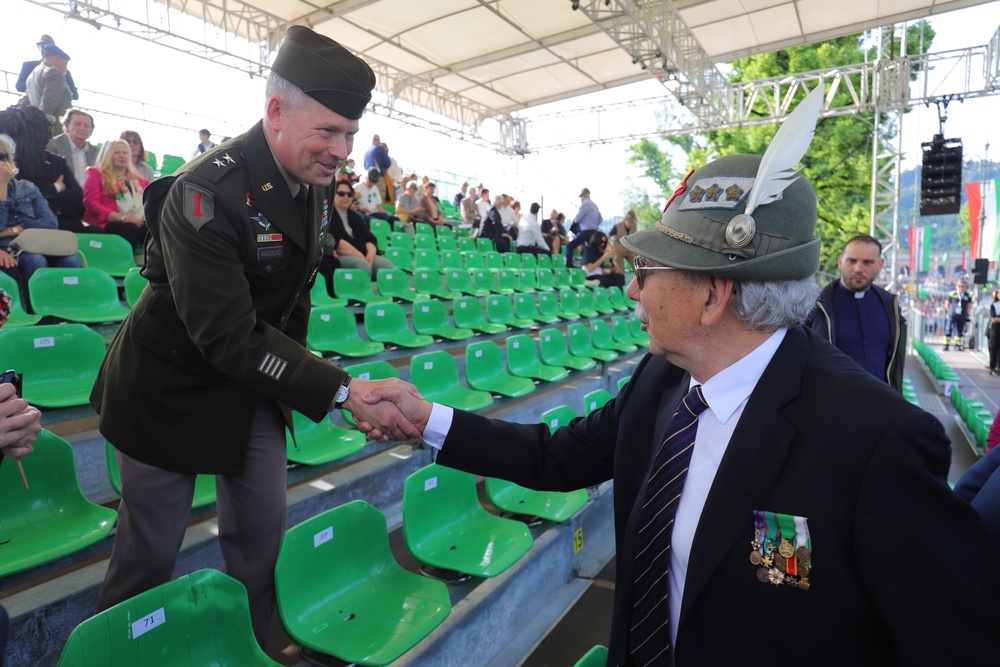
[(227, 158), (261, 220), (218, 163)]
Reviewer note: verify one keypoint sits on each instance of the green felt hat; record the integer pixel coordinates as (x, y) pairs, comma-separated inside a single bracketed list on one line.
[(702, 229)]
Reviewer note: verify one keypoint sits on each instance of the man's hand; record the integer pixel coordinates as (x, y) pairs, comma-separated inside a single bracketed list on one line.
[(7, 260), (19, 424), (372, 403), (410, 404)]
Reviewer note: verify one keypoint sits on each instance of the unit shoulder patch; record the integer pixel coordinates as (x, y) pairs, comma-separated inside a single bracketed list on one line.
[(199, 205)]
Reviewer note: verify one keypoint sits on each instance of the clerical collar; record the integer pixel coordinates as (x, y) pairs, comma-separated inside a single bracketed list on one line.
[(861, 294)]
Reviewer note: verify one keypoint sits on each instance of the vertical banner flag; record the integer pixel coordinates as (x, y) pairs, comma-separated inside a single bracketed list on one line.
[(912, 241), (925, 249), (983, 200)]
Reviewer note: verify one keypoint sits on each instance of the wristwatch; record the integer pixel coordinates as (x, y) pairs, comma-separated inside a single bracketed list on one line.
[(342, 393)]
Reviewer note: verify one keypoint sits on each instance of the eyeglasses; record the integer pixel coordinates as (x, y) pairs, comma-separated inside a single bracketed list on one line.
[(4, 157), (343, 193), (134, 142), (639, 267)]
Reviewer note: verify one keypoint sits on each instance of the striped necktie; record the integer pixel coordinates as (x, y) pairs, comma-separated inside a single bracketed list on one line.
[(650, 635)]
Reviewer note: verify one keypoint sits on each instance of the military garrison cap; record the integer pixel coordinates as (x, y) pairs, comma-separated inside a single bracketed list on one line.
[(325, 71), (702, 231)]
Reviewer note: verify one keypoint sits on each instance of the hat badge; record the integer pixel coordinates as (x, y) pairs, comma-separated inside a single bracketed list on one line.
[(740, 230)]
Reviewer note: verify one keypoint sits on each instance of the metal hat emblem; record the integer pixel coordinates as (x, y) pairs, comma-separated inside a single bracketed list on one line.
[(740, 230)]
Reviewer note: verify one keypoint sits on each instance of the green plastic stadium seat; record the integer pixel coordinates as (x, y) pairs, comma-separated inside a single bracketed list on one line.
[(151, 160), (595, 399), (59, 362), (445, 231), (602, 301), (426, 259), (549, 505), (171, 163), (369, 370), (595, 657), (78, 295), (553, 351), (545, 261), (588, 302), (460, 280), (449, 211), (508, 281), (466, 244), (581, 345), (394, 283), (444, 525), (499, 310), (381, 240), (569, 304), (522, 360), (619, 300), (435, 375), (475, 259), (198, 620), (341, 592), (512, 260), (495, 260), (204, 485), (108, 252), (600, 333), (525, 280), (425, 241), (452, 259), (134, 284), (467, 312), (356, 285), (622, 332), (558, 417), (431, 282), (526, 308), (560, 278), (484, 281), (623, 381), (52, 518), (445, 242), (387, 323), (545, 278), (484, 370), (430, 317), (334, 329), (401, 240), (425, 229), (318, 295), (379, 225), (577, 278), (316, 444), (485, 245), (548, 306), (18, 316), (401, 258), (527, 260)]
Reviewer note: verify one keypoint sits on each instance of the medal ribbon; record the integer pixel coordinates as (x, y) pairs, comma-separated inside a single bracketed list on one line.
[(771, 532), (802, 538), (787, 527)]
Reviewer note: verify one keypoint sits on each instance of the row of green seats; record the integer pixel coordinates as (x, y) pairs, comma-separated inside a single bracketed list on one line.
[(975, 415), (939, 369)]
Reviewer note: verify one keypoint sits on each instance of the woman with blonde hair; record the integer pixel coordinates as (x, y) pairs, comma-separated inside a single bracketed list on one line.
[(112, 193)]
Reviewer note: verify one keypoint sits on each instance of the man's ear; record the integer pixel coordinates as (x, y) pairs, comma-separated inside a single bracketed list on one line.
[(718, 296), (273, 113)]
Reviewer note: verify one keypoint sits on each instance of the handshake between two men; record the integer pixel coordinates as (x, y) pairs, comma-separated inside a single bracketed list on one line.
[(388, 409)]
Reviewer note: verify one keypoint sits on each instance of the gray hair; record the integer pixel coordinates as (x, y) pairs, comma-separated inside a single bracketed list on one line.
[(769, 306), (8, 145), (499, 199), (278, 86)]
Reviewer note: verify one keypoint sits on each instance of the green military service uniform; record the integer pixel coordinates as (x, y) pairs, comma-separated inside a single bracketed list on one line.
[(224, 317), (204, 372)]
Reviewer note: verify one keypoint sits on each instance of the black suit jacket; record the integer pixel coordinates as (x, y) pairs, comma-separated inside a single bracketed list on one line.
[(230, 262), (818, 438)]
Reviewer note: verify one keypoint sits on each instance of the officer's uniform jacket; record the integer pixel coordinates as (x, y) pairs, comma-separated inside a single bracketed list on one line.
[(223, 319)]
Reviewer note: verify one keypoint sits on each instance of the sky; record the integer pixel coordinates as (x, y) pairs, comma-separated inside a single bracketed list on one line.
[(139, 79)]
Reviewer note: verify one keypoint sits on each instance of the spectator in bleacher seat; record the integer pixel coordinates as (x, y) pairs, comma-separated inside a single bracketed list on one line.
[(588, 219), (49, 171), (29, 66), (460, 195), (22, 206), (377, 156), (597, 257), (467, 209), (351, 236), (204, 143), (483, 206), (554, 231), (47, 88), (205, 371), (74, 143), (509, 216), (623, 228), (408, 206), (370, 199), (860, 318), (112, 194), (529, 237), (492, 226), (347, 171), (754, 471), (393, 176), (431, 206), (134, 142)]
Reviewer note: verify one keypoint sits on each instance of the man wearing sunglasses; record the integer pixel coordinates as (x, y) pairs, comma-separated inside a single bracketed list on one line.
[(769, 493), (204, 373)]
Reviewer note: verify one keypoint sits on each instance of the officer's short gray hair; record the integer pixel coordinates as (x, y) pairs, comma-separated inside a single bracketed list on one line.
[(8, 145), (278, 86), (769, 306)]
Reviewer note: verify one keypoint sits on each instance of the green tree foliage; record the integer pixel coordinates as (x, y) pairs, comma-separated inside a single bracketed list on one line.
[(838, 162)]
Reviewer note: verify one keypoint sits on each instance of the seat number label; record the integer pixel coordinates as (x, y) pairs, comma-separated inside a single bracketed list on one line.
[(322, 537), (147, 623)]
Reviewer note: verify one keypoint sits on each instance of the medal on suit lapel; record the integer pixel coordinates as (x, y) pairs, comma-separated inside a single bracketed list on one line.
[(786, 527), (781, 549)]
